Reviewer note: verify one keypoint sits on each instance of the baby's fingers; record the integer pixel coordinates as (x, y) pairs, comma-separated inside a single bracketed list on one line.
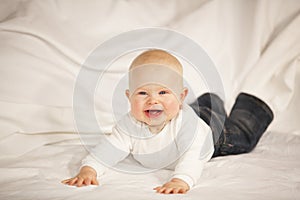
[(161, 190), (183, 191), (157, 188), (69, 181), (176, 190), (94, 181), (65, 181), (80, 182), (168, 190), (73, 181), (87, 181)]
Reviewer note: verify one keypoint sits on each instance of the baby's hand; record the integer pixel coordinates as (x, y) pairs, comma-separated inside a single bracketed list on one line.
[(86, 176), (175, 186)]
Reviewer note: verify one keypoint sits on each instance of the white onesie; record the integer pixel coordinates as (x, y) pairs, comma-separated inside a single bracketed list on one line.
[(184, 145)]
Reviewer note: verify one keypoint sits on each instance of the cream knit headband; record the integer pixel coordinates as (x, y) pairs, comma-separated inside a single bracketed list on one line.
[(155, 74)]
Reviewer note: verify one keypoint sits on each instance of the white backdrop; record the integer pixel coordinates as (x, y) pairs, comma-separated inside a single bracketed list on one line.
[(255, 46)]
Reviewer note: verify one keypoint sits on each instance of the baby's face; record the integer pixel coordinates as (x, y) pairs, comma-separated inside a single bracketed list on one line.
[(154, 105)]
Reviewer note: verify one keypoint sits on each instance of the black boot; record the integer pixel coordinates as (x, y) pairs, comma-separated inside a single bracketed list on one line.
[(248, 120), (210, 108), (211, 101)]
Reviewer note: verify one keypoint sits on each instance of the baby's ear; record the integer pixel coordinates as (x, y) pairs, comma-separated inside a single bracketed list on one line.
[(183, 94), (127, 93)]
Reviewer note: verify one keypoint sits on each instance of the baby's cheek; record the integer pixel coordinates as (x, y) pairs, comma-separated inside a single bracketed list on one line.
[(173, 110), (174, 104), (136, 111)]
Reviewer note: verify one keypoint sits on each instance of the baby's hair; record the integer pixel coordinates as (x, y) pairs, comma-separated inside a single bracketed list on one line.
[(157, 56)]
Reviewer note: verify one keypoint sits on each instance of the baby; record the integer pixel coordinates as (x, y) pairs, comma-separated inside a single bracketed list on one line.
[(160, 131)]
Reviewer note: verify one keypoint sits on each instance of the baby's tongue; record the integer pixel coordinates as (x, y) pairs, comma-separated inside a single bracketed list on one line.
[(154, 113)]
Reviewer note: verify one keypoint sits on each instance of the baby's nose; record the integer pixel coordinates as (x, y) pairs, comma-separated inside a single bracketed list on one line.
[(153, 99)]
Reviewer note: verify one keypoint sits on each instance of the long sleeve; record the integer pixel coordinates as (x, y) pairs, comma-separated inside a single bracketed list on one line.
[(190, 165), (110, 150)]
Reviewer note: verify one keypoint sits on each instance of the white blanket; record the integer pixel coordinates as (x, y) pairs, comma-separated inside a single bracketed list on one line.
[(255, 46)]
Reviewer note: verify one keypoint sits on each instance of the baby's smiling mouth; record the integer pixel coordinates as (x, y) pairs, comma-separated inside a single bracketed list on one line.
[(152, 113)]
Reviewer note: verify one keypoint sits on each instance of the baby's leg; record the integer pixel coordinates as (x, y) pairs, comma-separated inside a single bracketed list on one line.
[(241, 131), (211, 101), (247, 121), (210, 108)]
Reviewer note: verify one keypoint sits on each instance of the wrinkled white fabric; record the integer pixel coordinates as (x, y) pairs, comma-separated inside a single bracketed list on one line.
[(254, 45)]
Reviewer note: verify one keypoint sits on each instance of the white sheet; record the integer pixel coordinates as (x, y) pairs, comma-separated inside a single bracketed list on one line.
[(255, 46)]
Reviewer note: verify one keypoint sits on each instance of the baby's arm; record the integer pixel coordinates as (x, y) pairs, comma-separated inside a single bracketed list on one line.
[(86, 176), (91, 167), (189, 166)]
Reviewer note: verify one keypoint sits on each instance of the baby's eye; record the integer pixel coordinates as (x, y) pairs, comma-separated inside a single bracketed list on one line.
[(163, 92), (142, 93)]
